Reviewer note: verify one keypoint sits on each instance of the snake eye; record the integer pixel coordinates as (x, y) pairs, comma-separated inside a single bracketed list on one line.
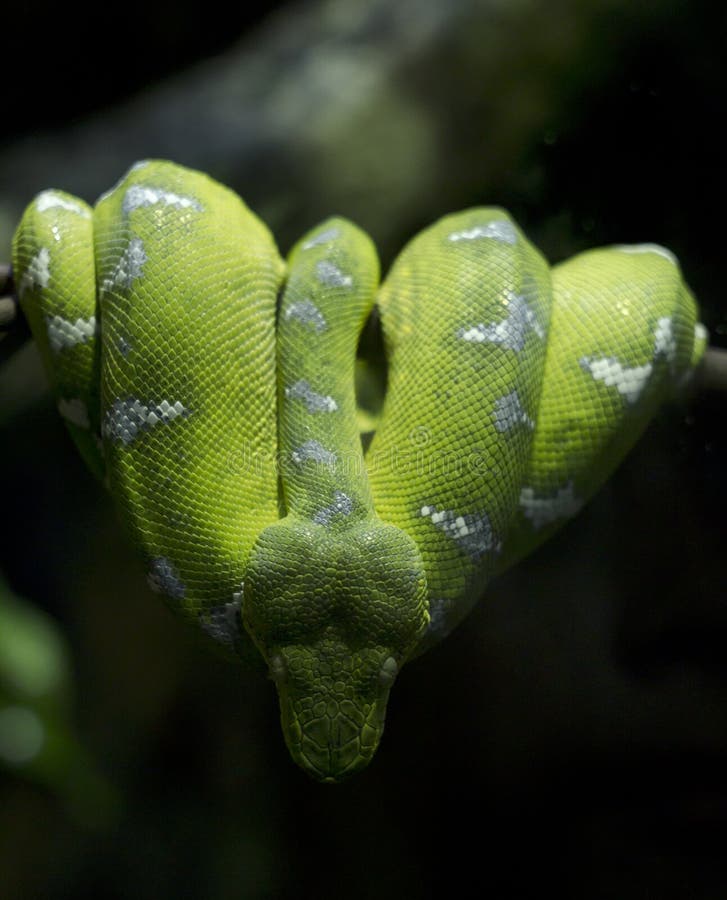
[(388, 672)]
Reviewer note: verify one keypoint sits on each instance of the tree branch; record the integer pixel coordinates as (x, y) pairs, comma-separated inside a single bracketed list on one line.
[(8, 303), (712, 372), (14, 331), (711, 375)]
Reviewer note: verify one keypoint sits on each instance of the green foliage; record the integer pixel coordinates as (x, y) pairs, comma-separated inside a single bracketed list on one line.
[(38, 738)]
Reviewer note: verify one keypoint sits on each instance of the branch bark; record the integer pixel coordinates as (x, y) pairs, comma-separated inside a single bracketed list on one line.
[(712, 373)]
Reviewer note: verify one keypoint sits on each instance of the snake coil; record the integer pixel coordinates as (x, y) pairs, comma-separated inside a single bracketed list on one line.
[(224, 420)]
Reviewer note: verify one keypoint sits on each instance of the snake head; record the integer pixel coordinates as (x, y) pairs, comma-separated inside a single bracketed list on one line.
[(335, 617)]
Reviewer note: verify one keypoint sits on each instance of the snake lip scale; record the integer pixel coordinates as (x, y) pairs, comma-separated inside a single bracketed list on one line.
[(174, 336)]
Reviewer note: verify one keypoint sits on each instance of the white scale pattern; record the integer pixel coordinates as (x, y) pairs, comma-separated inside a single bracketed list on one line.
[(630, 381), (221, 622), (314, 401), (38, 272), (509, 413), (307, 312), (501, 230), (164, 579), (64, 334), (141, 195), (128, 268), (125, 419), (324, 237), (665, 344), (315, 451), (342, 506), (329, 274), (543, 509), (511, 332), (472, 532), (439, 610), (50, 200)]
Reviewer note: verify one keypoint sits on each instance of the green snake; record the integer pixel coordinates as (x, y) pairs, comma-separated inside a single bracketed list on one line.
[(212, 387)]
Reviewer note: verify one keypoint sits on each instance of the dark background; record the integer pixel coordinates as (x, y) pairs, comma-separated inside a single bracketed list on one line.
[(571, 735)]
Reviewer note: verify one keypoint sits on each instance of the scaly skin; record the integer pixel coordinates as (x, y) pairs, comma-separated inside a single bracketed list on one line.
[(224, 422), (468, 459), (334, 598)]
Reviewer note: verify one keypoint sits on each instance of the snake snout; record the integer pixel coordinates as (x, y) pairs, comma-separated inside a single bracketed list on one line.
[(332, 708), (331, 743)]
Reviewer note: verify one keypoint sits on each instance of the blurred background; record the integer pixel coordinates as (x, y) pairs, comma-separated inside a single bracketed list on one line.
[(571, 735)]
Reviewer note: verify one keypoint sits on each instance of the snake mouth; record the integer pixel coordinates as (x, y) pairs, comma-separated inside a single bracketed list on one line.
[(332, 722), (332, 738)]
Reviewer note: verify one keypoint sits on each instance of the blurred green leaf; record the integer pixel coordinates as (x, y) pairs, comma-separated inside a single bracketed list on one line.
[(38, 738)]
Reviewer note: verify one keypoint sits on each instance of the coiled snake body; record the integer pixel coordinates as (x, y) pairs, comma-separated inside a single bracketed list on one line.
[(212, 386)]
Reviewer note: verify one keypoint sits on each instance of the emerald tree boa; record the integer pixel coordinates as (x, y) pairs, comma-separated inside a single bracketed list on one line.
[(211, 386)]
